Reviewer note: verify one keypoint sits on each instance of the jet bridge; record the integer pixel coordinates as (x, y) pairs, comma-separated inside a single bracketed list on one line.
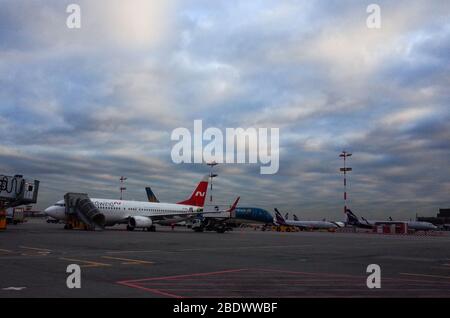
[(80, 208), (16, 191)]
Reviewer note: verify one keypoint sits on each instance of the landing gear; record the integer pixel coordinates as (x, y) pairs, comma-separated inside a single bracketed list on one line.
[(68, 226), (130, 228), (151, 228)]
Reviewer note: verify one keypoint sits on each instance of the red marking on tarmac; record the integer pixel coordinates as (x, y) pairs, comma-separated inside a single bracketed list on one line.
[(283, 283), (182, 276), (154, 291), (131, 283)]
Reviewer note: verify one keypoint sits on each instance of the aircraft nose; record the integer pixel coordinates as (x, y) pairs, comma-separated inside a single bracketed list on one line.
[(50, 211)]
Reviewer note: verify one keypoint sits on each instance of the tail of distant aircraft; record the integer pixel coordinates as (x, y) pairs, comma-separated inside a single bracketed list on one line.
[(199, 195), (150, 195), (233, 207), (295, 218), (279, 218), (351, 217)]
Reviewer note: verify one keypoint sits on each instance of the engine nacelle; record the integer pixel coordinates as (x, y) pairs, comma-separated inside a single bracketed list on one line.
[(140, 222)]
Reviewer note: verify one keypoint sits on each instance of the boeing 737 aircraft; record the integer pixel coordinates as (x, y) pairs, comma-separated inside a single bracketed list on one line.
[(143, 215), (247, 215), (353, 220), (306, 225)]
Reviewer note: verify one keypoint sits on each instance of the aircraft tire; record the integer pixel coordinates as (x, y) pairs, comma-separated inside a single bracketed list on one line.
[(68, 226), (130, 228)]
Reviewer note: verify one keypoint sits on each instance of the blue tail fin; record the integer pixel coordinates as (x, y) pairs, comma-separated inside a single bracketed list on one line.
[(150, 195)]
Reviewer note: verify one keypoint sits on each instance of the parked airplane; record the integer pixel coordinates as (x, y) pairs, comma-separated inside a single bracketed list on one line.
[(306, 225), (144, 215), (353, 220), (247, 215)]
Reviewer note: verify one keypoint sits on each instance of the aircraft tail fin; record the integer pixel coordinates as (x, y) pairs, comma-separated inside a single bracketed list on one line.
[(150, 195), (351, 217), (233, 207), (279, 218), (198, 197), (295, 218)]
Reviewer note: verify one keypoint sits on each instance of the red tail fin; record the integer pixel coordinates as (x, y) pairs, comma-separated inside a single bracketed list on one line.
[(199, 195)]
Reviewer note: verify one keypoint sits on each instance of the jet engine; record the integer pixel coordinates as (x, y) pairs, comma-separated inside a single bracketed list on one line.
[(140, 222)]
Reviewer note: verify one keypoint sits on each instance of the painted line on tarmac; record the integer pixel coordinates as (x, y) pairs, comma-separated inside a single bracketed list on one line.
[(35, 251), (425, 275), (35, 248), (154, 291), (405, 258), (13, 288), (128, 261), (87, 263), (211, 249), (136, 282), (183, 276)]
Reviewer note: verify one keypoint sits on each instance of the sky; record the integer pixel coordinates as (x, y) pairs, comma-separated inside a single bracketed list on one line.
[(81, 107)]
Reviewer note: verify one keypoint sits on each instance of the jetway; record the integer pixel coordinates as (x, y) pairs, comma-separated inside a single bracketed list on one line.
[(82, 213), (16, 191)]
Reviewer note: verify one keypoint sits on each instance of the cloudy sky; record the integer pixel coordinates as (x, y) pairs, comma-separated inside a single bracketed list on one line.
[(81, 107)]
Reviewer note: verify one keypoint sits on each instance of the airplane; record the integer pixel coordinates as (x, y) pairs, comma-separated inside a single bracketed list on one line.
[(306, 225), (144, 215), (242, 215), (353, 220)]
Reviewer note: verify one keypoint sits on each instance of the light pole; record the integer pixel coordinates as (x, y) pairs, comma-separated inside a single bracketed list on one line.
[(344, 154), (122, 188), (211, 176)]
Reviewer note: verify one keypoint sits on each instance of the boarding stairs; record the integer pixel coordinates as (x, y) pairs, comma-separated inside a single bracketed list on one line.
[(80, 207)]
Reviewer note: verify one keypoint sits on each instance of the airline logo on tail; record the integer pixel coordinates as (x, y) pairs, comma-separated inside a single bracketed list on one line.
[(279, 218), (199, 195), (351, 217), (150, 195)]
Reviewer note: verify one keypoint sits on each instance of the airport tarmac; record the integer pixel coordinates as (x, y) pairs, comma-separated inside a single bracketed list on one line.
[(243, 263)]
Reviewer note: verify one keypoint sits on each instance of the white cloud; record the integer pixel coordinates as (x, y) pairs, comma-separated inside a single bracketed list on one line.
[(408, 116)]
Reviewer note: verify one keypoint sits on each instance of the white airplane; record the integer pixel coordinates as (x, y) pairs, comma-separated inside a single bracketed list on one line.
[(306, 225), (353, 220), (144, 215)]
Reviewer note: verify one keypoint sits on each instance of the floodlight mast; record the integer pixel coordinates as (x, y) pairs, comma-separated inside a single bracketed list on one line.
[(122, 187), (344, 154), (211, 176)]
